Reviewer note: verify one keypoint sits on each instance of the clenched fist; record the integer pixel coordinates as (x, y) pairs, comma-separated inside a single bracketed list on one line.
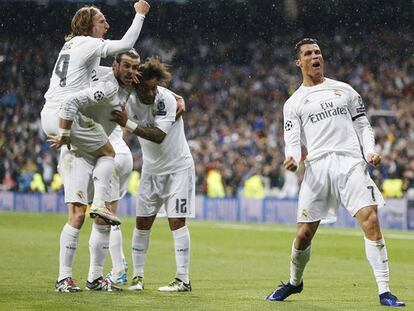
[(142, 7)]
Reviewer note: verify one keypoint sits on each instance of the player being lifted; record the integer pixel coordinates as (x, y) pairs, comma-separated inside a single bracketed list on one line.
[(114, 90), (328, 117), (168, 175), (73, 71), (75, 67)]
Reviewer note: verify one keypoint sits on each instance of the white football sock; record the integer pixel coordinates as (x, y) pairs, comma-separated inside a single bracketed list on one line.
[(376, 252), (182, 253), (140, 243), (299, 259), (102, 175), (98, 249), (116, 251), (68, 243)]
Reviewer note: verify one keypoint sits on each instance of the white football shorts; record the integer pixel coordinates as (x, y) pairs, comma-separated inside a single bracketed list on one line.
[(76, 175), (332, 181), (175, 191), (86, 134), (120, 177)]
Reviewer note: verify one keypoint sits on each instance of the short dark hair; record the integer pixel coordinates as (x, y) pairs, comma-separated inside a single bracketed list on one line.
[(303, 42), (153, 68), (131, 53)]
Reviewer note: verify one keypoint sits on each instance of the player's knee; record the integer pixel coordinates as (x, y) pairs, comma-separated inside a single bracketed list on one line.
[(144, 223), (303, 239), (176, 223), (77, 219), (371, 226)]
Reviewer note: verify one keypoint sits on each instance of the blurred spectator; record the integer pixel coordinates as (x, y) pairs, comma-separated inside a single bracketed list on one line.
[(133, 184), (215, 188), (37, 185), (254, 187), (56, 184)]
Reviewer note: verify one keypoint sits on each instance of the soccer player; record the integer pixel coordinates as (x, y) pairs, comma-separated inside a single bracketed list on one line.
[(123, 165), (168, 175), (75, 67), (328, 117), (75, 171)]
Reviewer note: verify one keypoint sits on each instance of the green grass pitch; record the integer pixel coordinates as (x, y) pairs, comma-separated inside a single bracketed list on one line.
[(233, 267)]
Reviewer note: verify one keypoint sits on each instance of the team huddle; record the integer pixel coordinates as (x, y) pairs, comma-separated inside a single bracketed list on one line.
[(88, 107)]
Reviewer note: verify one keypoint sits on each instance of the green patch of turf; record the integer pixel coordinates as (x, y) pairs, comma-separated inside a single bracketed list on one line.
[(233, 267)]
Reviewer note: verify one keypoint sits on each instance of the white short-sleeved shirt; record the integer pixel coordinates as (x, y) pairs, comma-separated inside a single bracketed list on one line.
[(320, 118), (173, 154), (74, 68)]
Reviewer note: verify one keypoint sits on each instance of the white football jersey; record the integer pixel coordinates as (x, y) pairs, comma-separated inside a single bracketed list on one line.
[(96, 103), (75, 67), (320, 118), (173, 154), (116, 137)]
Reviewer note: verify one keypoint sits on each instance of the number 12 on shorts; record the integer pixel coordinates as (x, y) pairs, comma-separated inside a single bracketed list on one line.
[(181, 206)]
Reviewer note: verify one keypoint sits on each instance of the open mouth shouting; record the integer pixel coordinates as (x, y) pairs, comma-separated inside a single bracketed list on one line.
[(316, 64)]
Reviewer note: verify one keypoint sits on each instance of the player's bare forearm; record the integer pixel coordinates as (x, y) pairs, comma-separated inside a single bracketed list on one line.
[(153, 134)]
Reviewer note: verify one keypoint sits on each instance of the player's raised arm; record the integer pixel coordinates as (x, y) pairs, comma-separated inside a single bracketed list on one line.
[(128, 40)]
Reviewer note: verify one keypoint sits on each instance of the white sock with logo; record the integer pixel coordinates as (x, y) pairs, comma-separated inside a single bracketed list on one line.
[(299, 259), (376, 252), (116, 251), (68, 243), (98, 249), (182, 253), (140, 243)]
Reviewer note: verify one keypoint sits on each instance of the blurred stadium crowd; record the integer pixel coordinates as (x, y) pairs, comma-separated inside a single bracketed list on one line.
[(235, 84)]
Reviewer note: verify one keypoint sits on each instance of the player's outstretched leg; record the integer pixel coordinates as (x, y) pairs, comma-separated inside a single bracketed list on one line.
[(376, 252), (284, 291), (299, 259)]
